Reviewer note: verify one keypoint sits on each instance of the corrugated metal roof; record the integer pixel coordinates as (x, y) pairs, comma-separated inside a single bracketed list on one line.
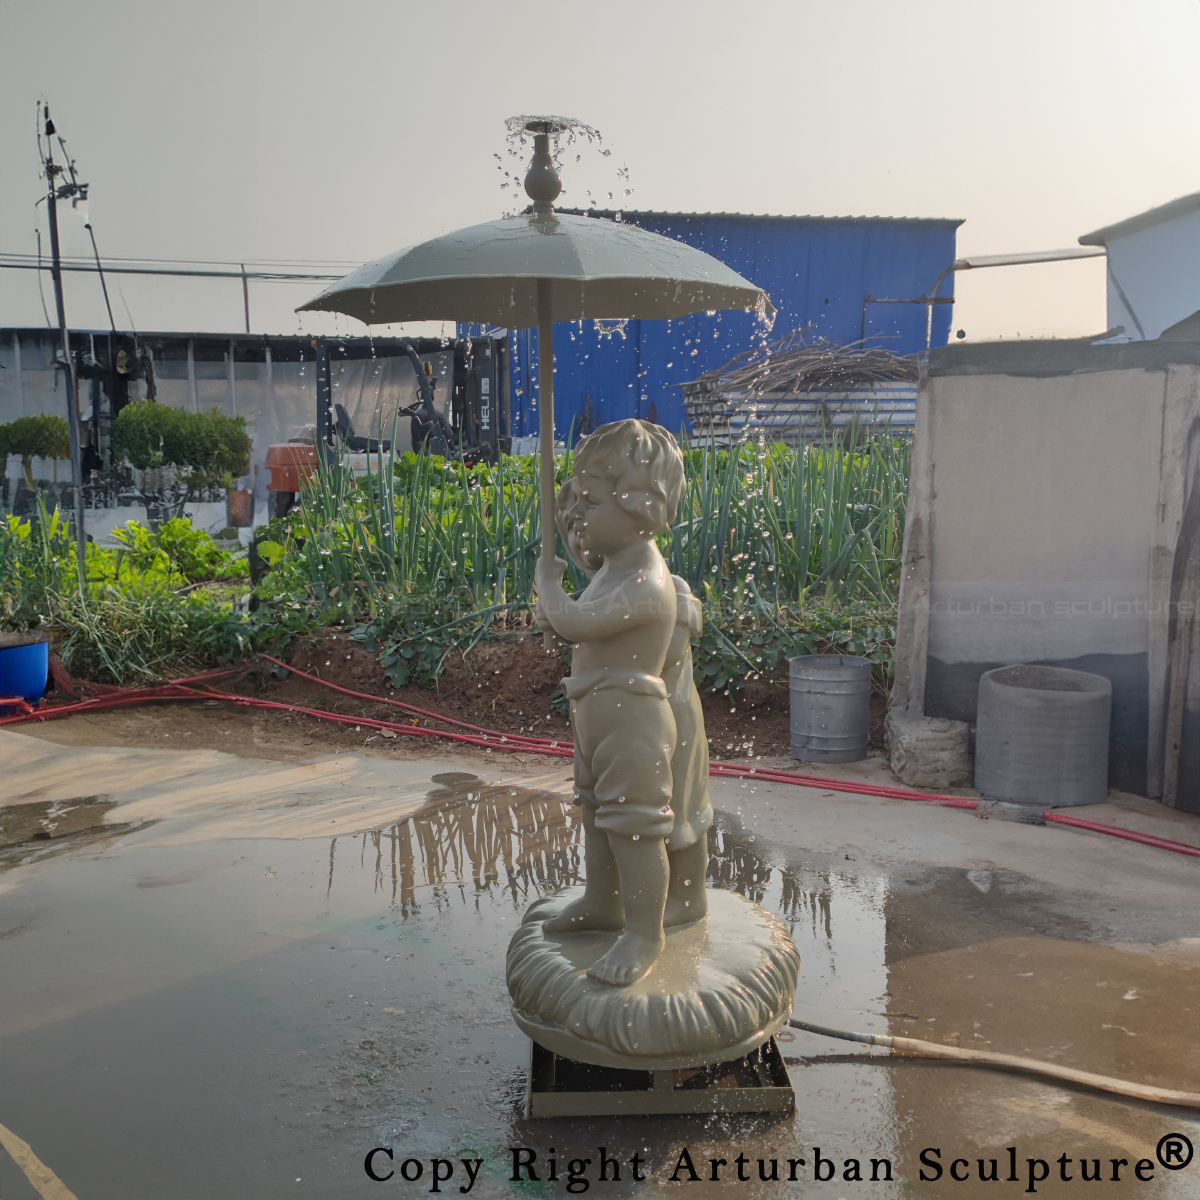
[(629, 213), (824, 275), (1152, 216)]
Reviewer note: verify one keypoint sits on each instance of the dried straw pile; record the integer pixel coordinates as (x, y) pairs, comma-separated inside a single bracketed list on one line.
[(774, 380)]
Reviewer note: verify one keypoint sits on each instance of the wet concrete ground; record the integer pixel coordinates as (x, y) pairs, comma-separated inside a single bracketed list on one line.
[(211, 1016)]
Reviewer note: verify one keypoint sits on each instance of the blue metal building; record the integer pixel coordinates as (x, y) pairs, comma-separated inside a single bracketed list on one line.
[(845, 278)]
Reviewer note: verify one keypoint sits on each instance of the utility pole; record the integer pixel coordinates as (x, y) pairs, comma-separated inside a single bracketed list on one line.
[(53, 170)]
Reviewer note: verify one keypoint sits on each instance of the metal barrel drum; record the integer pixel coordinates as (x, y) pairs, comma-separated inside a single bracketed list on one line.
[(830, 707)]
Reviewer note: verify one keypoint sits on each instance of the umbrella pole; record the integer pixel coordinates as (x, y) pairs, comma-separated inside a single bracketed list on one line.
[(546, 416)]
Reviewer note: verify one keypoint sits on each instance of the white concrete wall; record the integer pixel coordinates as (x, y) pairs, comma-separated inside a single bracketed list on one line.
[(1049, 484), (1158, 269), (1043, 514)]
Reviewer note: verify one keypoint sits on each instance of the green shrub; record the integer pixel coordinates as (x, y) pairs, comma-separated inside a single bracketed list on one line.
[(140, 617), (42, 436), (145, 435), (229, 447), (211, 447)]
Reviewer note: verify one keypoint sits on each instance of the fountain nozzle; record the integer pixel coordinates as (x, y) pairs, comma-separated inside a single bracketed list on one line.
[(542, 183)]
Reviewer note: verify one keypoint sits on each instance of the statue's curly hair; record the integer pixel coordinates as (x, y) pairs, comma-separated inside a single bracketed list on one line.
[(641, 462)]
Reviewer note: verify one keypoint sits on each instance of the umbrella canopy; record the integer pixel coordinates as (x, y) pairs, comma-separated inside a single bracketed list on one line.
[(535, 269), (489, 274)]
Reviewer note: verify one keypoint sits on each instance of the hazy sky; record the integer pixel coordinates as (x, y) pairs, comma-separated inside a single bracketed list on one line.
[(290, 129)]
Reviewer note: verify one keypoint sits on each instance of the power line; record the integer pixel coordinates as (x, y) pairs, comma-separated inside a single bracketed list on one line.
[(28, 262), (342, 264)]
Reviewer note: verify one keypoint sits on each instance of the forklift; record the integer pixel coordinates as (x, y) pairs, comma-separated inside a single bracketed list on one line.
[(473, 431)]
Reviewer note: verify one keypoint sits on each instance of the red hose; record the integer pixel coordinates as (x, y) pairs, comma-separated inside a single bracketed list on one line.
[(491, 739), (771, 775), (1128, 834), (502, 740)]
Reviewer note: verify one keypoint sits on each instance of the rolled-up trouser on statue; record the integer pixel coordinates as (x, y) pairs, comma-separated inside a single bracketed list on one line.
[(624, 739)]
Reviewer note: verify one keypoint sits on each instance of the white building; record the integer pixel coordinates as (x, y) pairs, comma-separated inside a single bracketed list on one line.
[(1153, 267)]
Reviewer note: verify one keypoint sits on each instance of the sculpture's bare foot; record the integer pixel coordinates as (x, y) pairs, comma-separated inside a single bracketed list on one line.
[(680, 911), (585, 913), (628, 960)]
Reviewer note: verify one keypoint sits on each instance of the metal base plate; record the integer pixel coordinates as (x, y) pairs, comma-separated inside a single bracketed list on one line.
[(562, 1087)]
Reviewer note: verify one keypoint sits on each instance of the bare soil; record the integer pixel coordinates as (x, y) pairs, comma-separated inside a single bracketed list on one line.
[(504, 685), (507, 685)]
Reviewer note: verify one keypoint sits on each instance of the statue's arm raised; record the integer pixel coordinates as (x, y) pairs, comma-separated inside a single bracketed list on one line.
[(584, 620)]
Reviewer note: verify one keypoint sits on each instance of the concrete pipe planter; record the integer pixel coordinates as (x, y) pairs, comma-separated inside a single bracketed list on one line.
[(830, 707), (1042, 736)]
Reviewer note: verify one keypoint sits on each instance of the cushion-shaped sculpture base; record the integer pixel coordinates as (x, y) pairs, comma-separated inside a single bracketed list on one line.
[(722, 986)]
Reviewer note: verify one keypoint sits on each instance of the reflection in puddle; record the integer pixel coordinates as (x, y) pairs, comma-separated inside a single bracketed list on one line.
[(837, 920), (500, 838), (735, 865), (528, 842), (520, 840), (492, 840)]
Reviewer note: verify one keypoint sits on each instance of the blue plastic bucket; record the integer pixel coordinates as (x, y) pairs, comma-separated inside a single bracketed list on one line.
[(24, 667)]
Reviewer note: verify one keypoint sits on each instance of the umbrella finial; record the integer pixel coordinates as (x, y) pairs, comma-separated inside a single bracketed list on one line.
[(541, 181)]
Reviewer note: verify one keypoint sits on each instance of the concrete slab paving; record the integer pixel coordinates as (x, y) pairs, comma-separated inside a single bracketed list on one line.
[(247, 973)]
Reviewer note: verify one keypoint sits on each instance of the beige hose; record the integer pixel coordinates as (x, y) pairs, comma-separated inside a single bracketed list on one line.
[(916, 1048)]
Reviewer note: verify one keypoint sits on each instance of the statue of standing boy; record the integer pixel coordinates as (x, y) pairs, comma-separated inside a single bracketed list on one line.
[(646, 862)]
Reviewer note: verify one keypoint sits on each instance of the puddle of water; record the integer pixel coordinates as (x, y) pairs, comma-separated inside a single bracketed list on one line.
[(42, 820), (292, 1004)]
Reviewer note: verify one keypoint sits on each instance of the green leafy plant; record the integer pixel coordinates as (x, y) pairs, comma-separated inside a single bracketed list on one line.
[(139, 617), (728, 657), (189, 552), (413, 639), (792, 550), (33, 554), (789, 548)]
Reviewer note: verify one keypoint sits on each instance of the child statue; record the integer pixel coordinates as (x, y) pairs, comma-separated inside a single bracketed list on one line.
[(641, 760)]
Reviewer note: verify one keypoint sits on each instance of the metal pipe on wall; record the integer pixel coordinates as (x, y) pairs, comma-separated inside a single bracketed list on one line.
[(17, 370), (191, 368)]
